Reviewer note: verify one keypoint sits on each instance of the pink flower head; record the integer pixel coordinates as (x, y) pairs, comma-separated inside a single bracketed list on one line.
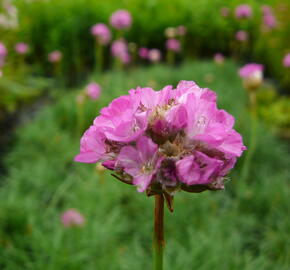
[(119, 49), (71, 218), (101, 32), (121, 19), (173, 44), (243, 11), (55, 57), (143, 53), (21, 48), (225, 11), (252, 75), (242, 35), (93, 90), (181, 30), (164, 140), (154, 55), (266, 9), (286, 60), (3, 54), (219, 58), (269, 19)]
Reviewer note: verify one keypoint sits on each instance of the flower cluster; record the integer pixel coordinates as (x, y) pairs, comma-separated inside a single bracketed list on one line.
[(252, 75), (286, 60), (269, 19), (173, 44), (164, 141), (119, 49), (55, 57), (243, 11), (3, 54), (242, 35), (121, 19), (102, 33), (93, 90), (21, 48), (219, 58)]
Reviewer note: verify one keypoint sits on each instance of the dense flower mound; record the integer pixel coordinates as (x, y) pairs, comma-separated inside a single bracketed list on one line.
[(164, 141)]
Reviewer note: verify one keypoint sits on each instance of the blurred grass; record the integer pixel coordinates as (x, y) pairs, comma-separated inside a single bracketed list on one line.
[(244, 227)]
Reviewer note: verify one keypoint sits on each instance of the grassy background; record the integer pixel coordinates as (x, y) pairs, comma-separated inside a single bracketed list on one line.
[(244, 227), (65, 25)]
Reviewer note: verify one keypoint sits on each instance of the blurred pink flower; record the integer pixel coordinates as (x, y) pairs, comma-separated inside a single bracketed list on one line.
[(101, 32), (3, 54), (143, 53), (266, 9), (21, 48), (252, 75), (71, 218), (173, 44), (286, 60), (93, 90), (119, 47), (154, 55), (181, 30), (55, 56), (269, 19), (225, 11), (251, 69), (219, 58), (121, 19), (243, 11), (242, 35)]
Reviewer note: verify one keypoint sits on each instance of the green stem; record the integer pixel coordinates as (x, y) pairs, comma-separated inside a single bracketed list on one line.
[(99, 58), (253, 138), (158, 232)]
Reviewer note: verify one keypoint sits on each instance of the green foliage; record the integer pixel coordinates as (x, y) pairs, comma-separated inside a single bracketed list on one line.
[(244, 227), (65, 25)]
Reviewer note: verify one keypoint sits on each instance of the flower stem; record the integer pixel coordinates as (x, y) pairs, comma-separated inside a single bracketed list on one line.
[(253, 138), (158, 232)]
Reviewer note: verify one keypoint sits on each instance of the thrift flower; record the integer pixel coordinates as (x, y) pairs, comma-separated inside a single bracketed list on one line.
[(225, 11), (181, 30), (3, 54), (143, 53), (119, 49), (219, 58), (243, 11), (93, 90), (102, 33), (173, 44), (252, 75), (121, 19), (165, 141), (21, 48), (154, 55), (55, 57), (170, 32), (242, 35), (71, 218), (286, 60)]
